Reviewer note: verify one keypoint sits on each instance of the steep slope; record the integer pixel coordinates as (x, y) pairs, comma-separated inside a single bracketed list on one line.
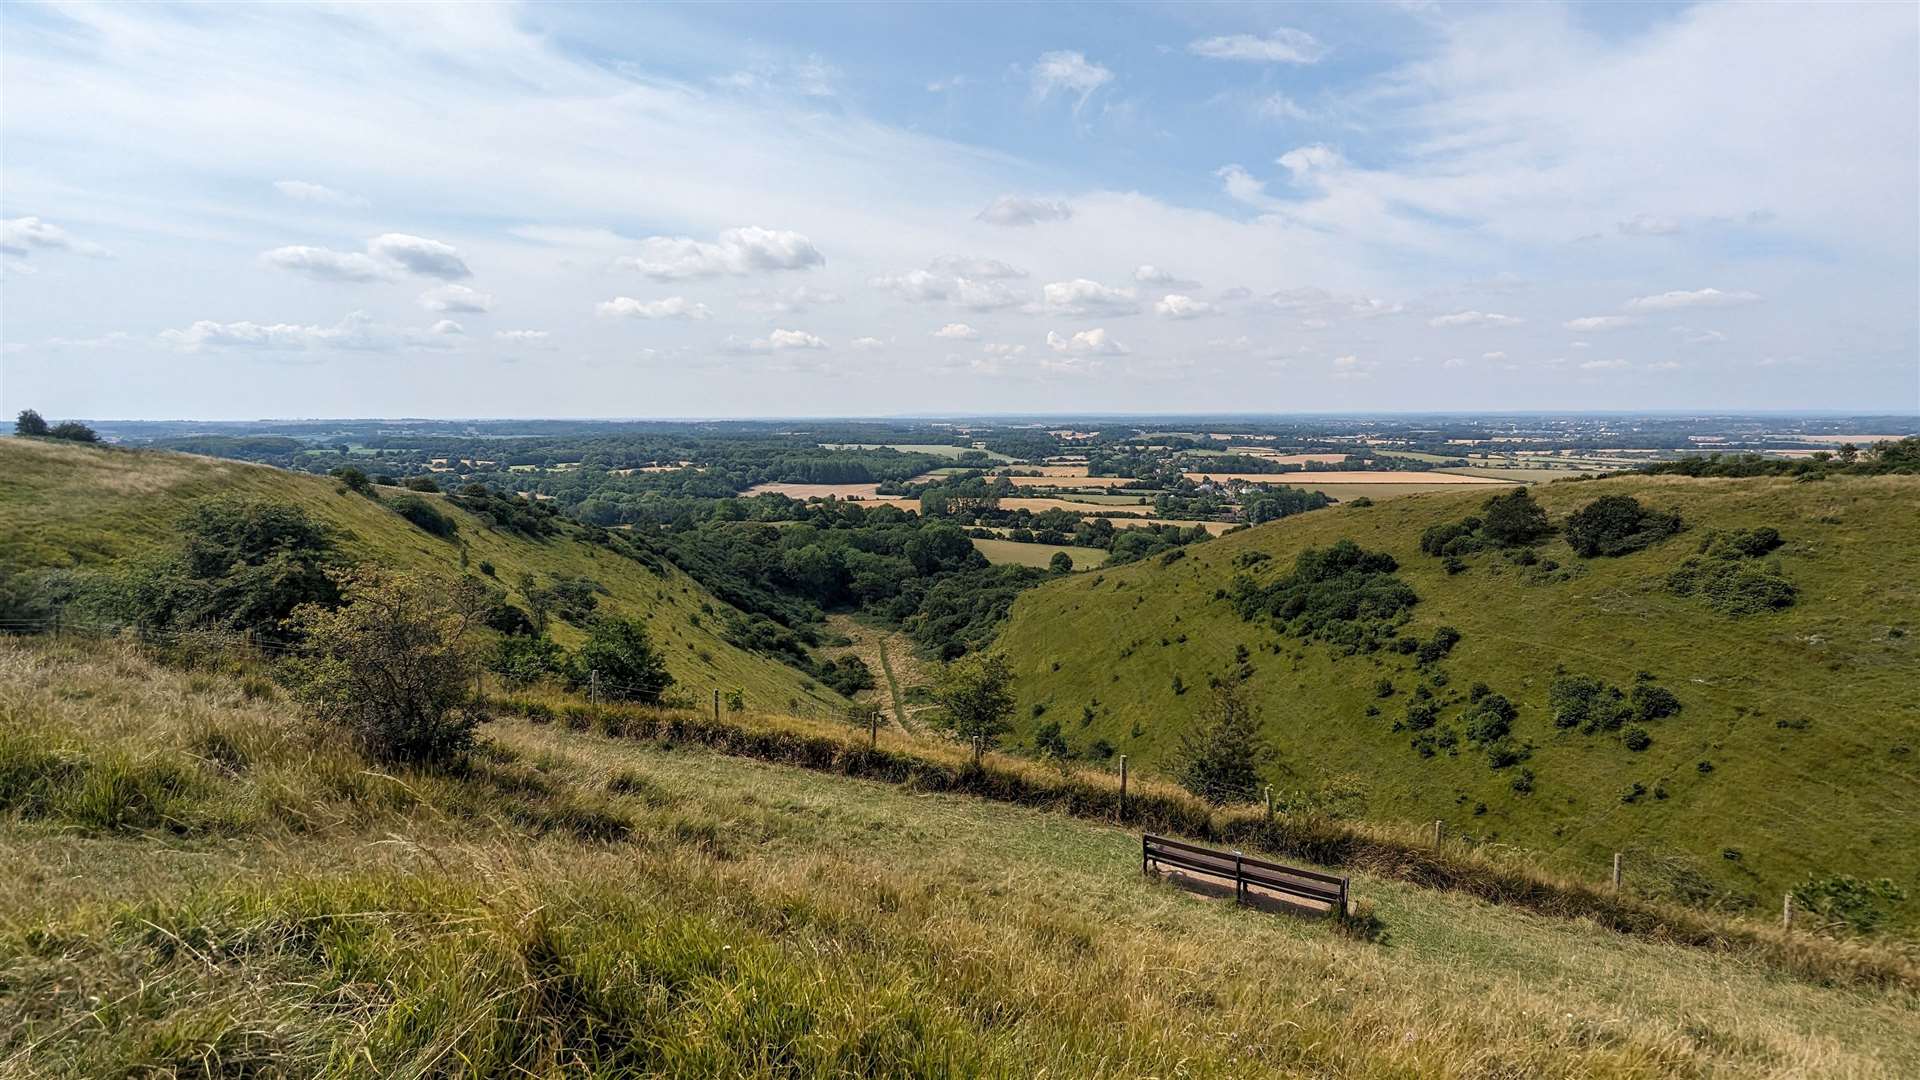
[(1796, 750), (68, 505)]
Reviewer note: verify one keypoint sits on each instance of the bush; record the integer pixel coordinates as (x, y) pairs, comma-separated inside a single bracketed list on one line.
[(353, 479), (30, 424), (1490, 720), (1438, 646), (1061, 563), (422, 483), (1514, 518), (1637, 738), (1615, 525), (1732, 587), (393, 667), (1047, 739), (425, 516), (243, 565), (1341, 594), (1587, 703), (977, 694), (73, 431), (622, 654), (846, 676), (524, 660), (1849, 902), (1219, 758)]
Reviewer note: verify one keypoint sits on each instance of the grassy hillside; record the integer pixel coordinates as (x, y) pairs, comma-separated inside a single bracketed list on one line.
[(1796, 752), (198, 887), (64, 505)]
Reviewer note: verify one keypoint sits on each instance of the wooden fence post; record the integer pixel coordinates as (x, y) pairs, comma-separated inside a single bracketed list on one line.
[(716, 704), (1616, 873), (593, 686), (1786, 912), (1269, 802), (1439, 827), (873, 730), (1123, 787), (1239, 879)]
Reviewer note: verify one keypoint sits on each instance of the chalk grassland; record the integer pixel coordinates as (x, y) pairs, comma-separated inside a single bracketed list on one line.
[(1012, 551), (862, 492), (584, 906), (944, 450), (63, 505), (1807, 719), (1308, 479)]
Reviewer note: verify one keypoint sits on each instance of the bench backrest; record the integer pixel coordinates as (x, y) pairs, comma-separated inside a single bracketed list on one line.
[(1242, 870)]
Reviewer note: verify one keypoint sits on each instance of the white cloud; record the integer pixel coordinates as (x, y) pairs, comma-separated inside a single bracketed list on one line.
[(798, 299), (1604, 365), (1280, 107), (777, 341), (1302, 160), (1493, 357), (1699, 337), (1320, 307), (1071, 72), (957, 331), (446, 326), (671, 307), (1093, 342), (941, 86), (22, 235), (1670, 301), (736, 252), (1019, 210), (532, 339), (1454, 362), (458, 299), (868, 344), (302, 191), (927, 286), (326, 264), (1648, 225), (1353, 368), (1242, 186), (1282, 46), (962, 266), (1083, 297), (1149, 274), (1176, 306), (419, 255), (355, 333), (1474, 318), (1598, 322), (1002, 350), (1664, 365)]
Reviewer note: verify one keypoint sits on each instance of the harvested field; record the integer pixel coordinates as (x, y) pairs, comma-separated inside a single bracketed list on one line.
[(1038, 505), (1069, 481), (1058, 470), (861, 492), (1304, 479), (1012, 551)]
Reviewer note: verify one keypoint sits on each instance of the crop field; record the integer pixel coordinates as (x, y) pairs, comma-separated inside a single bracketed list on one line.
[(1308, 479), (1072, 481), (1038, 504), (1019, 554)]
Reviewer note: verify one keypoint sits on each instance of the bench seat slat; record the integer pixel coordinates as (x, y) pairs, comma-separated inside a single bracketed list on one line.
[(1294, 880)]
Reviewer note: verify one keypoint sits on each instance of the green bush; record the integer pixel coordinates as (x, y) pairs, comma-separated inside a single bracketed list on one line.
[(628, 666), (426, 516), (1340, 594), (243, 565), (1614, 525)]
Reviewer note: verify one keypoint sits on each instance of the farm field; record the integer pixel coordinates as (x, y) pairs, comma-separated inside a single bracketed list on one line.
[(741, 910), (1309, 479), (1019, 554), (1526, 474), (1038, 504), (862, 492), (1072, 481)]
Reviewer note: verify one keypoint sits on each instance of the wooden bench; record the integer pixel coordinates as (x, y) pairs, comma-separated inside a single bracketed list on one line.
[(1243, 871)]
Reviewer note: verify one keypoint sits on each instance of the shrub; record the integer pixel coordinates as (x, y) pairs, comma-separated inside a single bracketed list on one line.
[(422, 483), (1857, 905), (1490, 720), (353, 479), (1615, 525), (1732, 587), (73, 431), (1061, 563), (524, 660), (1340, 594), (1587, 703), (1514, 518), (1437, 647), (1048, 740), (621, 652), (1650, 702), (243, 565), (1219, 758), (30, 424), (976, 693), (393, 667), (1637, 738), (845, 676), (424, 515)]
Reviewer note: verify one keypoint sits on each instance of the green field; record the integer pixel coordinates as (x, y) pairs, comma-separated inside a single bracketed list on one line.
[(1012, 551), (1807, 720), (65, 505), (583, 906)]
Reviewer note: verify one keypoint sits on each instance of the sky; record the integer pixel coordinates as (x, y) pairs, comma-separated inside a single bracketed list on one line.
[(235, 212)]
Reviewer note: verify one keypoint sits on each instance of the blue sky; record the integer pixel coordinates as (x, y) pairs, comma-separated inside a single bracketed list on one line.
[(234, 211)]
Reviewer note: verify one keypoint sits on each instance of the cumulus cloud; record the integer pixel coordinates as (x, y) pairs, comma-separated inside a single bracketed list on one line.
[(23, 235), (419, 255), (965, 267), (1454, 362), (735, 252), (1282, 46), (1318, 306), (358, 332), (1603, 365), (1070, 72), (1699, 337), (1019, 210), (1302, 160), (1671, 301), (1648, 225), (1493, 357), (671, 307), (777, 341), (446, 326), (868, 344), (1149, 274), (1475, 318), (302, 191), (1280, 107), (957, 331), (1598, 322), (1176, 306), (326, 264), (788, 301), (531, 339), (458, 299), (1083, 297), (929, 286), (1001, 350), (1093, 342)]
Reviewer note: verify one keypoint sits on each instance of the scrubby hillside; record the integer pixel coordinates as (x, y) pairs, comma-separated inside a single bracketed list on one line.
[(198, 886), (65, 505), (1795, 750)]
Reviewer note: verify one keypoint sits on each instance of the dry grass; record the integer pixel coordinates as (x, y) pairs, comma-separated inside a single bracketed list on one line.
[(1382, 476)]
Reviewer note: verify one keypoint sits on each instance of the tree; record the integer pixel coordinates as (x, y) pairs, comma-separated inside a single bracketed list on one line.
[(628, 666), (73, 431), (393, 666), (1617, 525), (354, 479), (243, 565), (1219, 759), (1514, 518), (1061, 563), (30, 423), (977, 693)]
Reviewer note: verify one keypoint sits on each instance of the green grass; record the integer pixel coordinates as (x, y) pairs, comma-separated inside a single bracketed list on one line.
[(65, 506), (760, 920), (1012, 551), (1809, 718)]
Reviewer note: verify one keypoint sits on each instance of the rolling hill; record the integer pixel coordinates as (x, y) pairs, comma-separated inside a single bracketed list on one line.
[(68, 505), (1795, 751)]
